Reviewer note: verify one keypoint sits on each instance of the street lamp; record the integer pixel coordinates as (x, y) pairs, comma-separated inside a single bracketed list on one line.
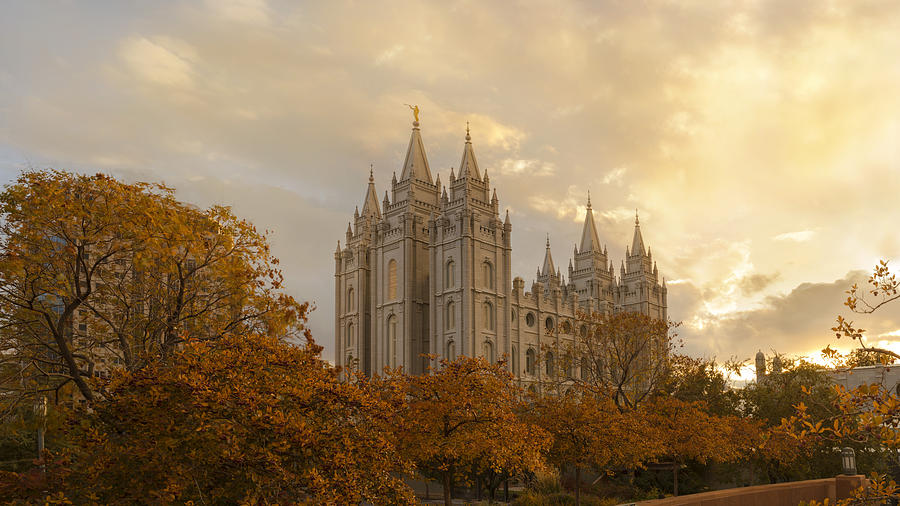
[(848, 461)]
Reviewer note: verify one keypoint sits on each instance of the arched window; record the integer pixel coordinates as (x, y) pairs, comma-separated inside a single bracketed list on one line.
[(585, 369), (514, 361), (392, 280), (350, 338), (529, 319), (570, 366), (391, 348), (489, 351), (548, 324), (451, 315), (450, 275), (451, 350), (550, 365), (530, 359), (488, 315), (488, 271), (351, 300)]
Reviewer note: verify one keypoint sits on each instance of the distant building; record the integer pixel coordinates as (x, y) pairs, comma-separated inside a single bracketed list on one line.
[(428, 271), (888, 376)]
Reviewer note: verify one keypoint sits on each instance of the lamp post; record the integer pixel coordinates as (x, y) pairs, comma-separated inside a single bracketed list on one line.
[(40, 412), (848, 461)]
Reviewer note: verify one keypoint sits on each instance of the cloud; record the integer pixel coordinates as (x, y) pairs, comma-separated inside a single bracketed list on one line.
[(614, 176), (801, 236), (518, 167), (389, 54), (755, 283), (154, 63), (242, 11)]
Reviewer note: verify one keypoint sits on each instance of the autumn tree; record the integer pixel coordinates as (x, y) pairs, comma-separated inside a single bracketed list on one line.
[(462, 413), (97, 273), (589, 432), (241, 419), (625, 355)]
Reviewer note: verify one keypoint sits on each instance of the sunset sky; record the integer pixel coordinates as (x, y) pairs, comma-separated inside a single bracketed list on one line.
[(759, 139)]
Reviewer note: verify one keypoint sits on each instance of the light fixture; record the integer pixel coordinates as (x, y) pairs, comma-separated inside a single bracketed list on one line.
[(848, 461)]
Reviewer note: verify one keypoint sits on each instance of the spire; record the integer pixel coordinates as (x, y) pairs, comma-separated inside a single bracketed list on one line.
[(468, 166), (506, 221), (589, 239), (548, 268), (415, 166), (637, 244), (370, 204)]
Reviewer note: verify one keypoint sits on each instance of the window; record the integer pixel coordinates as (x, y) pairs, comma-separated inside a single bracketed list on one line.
[(583, 331), (451, 316), (514, 359), (488, 315), (530, 361), (570, 366), (567, 328), (351, 300), (350, 340), (550, 365), (585, 369), (450, 275), (349, 361), (529, 319), (488, 271), (489, 351), (515, 316), (451, 350), (548, 324), (391, 349), (392, 280)]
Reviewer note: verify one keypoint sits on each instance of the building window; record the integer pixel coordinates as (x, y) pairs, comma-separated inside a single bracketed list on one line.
[(514, 360), (567, 328), (451, 350), (530, 360), (514, 316), (391, 348), (548, 324), (392, 280), (450, 275), (570, 366), (489, 351), (488, 315), (350, 340), (351, 300), (451, 316), (529, 319), (583, 331), (488, 270), (349, 363), (550, 365), (585, 369)]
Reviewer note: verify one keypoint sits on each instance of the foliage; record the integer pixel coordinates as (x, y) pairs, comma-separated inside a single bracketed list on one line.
[(463, 413), (96, 273), (237, 420), (698, 379)]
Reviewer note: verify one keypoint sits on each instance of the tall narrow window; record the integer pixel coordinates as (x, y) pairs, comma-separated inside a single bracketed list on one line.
[(450, 275), (488, 271), (514, 360), (489, 351), (350, 338), (392, 333), (391, 342), (451, 350), (550, 365), (585, 369), (451, 315), (351, 299), (392, 280), (529, 361), (488, 315)]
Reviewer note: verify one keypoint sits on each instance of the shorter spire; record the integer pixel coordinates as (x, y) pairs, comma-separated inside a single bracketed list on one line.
[(506, 221), (589, 199)]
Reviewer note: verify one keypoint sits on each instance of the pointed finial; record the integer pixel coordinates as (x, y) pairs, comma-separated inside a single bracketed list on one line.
[(548, 240), (636, 221), (371, 172), (589, 199), (468, 137)]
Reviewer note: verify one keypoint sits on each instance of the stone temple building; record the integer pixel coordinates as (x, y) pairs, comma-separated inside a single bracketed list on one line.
[(427, 270)]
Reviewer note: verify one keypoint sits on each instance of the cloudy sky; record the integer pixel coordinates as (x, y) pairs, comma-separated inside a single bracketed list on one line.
[(760, 139)]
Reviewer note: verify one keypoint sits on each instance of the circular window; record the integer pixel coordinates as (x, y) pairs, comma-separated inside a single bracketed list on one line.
[(548, 323), (529, 319)]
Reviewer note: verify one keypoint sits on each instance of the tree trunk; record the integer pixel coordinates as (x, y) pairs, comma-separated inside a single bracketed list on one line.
[(577, 486), (506, 490), (448, 499), (675, 474)]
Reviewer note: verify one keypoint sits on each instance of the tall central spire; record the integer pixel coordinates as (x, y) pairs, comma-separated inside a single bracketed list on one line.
[(589, 239), (468, 167), (637, 244), (416, 164)]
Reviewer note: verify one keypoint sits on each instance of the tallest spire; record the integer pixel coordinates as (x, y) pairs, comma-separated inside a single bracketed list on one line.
[(589, 239), (415, 166), (637, 244)]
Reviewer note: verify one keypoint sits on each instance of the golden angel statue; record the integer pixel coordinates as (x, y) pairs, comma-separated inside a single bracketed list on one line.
[(415, 110)]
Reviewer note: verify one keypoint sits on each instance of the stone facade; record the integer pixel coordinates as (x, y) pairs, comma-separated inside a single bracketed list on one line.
[(428, 271)]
